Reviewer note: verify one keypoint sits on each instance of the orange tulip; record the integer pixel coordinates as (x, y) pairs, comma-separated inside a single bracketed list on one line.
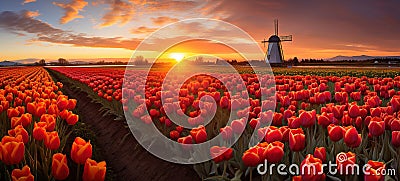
[(94, 171), (52, 141), (31, 108), (39, 131), (59, 166), (23, 174), (12, 112), (12, 150), (53, 110), (72, 119), (81, 150), (71, 104), (19, 130), (50, 120), (62, 103)]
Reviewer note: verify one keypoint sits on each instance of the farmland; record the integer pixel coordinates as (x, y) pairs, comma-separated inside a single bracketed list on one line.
[(68, 122)]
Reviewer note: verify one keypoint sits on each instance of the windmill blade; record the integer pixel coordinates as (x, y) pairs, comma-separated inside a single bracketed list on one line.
[(286, 38)]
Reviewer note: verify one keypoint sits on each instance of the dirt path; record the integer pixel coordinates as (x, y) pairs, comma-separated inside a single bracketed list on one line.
[(129, 160)]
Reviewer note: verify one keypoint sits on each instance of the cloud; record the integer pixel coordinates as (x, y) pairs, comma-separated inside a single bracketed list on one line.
[(161, 20), (71, 10), (143, 30), (120, 12), (18, 23), (28, 1), (32, 13)]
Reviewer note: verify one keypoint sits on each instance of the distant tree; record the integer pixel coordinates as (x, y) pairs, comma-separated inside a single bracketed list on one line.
[(42, 62), (62, 61), (295, 61), (139, 60), (199, 60)]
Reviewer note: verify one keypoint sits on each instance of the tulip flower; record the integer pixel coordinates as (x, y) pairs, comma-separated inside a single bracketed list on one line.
[(81, 150), (345, 163), (174, 134), (351, 137), (50, 120), (376, 126), (199, 134), (375, 171), (219, 154), (72, 119), (273, 134), (52, 141), (19, 130), (312, 169), (274, 152), (238, 126), (23, 174), (297, 139), (251, 158), (59, 166), (226, 132), (308, 118), (320, 152), (396, 138), (71, 104), (354, 111), (39, 131), (94, 171), (12, 112), (12, 150)]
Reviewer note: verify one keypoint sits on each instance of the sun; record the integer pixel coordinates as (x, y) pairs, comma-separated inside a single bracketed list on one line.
[(177, 56)]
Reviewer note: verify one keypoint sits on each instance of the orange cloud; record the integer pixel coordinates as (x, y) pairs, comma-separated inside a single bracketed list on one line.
[(163, 20), (143, 30), (71, 10), (28, 1), (32, 13), (120, 11)]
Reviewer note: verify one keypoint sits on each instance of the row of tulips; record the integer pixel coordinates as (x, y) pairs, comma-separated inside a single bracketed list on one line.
[(36, 121)]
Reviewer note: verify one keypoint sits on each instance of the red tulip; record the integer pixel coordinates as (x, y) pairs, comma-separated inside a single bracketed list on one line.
[(53, 110), (226, 132), (312, 169), (174, 134), (351, 137), (224, 102), (251, 158), (274, 152), (81, 150), (12, 150), (308, 118), (59, 166), (396, 138), (354, 111), (199, 134), (294, 122), (376, 126), (12, 112), (71, 104), (335, 132), (297, 139), (19, 130), (320, 152), (52, 141), (23, 174), (238, 126), (273, 134), (376, 112), (186, 141), (94, 171), (325, 119), (374, 171), (345, 163), (219, 154)]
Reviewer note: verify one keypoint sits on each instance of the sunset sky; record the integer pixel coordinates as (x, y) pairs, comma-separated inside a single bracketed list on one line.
[(76, 29)]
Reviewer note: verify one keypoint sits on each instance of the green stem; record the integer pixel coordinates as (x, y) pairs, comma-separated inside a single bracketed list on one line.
[(224, 172), (77, 172), (251, 173)]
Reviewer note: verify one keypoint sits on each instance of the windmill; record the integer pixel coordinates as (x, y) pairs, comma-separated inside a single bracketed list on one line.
[(274, 53)]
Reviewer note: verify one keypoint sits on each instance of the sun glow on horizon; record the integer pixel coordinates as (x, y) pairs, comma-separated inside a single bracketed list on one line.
[(177, 56)]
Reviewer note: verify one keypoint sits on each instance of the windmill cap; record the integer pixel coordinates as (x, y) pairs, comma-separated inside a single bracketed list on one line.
[(274, 38)]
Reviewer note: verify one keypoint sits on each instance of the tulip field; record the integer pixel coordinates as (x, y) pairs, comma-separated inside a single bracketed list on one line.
[(319, 116)]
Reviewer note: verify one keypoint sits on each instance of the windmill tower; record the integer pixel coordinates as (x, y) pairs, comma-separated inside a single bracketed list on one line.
[(274, 53)]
